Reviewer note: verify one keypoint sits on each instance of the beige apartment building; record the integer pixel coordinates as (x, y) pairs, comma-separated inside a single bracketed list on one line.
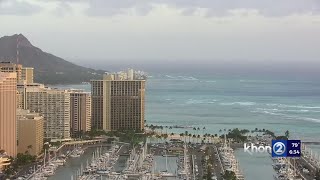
[(30, 132), (24, 74), (53, 105), (27, 74), (118, 102), (12, 67), (8, 108), (80, 112), (21, 93)]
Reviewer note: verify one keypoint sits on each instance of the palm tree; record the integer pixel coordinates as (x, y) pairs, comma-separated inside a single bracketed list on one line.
[(198, 137), (287, 134), (158, 137), (189, 136), (204, 137), (209, 137), (165, 136), (152, 127), (185, 135), (181, 135), (161, 128)]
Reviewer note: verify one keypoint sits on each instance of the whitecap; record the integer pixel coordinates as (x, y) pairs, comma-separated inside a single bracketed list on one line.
[(272, 113), (289, 116), (266, 109), (311, 119), (300, 106), (227, 104), (200, 101), (189, 78), (246, 103), (294, 106), (239, 103)]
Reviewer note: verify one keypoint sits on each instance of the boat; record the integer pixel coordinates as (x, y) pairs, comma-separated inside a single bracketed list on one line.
[(103, 172), (75, 155)]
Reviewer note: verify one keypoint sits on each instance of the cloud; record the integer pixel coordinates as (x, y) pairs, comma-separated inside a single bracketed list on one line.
[(269, 8), (15, 7), (273, 8), (114, 7), (63, 8), (265, 7)]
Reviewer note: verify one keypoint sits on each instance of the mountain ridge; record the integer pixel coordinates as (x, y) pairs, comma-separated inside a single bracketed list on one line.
[(48, 68)]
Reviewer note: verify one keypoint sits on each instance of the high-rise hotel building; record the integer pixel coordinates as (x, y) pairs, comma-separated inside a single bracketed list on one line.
[(12, 67), (52, 104), (27, 74), (8, 108), (118, 101), (24, 74), (80, 112)]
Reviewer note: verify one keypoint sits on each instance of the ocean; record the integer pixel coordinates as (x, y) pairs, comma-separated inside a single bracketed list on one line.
[(224, 102)]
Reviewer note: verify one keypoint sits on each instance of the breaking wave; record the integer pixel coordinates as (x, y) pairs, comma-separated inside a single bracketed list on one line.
[(271, 112), (196, 101), (294, 106), (239, 103), (185, 78), (288, 110)]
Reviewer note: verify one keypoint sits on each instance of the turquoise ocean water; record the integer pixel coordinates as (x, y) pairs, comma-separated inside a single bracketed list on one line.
[(234, 102)]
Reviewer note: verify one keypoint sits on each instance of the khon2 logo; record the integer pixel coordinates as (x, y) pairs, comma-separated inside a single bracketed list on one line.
[(279, 148)]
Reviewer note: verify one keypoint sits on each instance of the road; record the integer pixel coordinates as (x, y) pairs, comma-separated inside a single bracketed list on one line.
[(212, 157)]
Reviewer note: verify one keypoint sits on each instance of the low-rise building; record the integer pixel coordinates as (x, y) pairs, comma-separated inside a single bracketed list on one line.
[(30, 132)]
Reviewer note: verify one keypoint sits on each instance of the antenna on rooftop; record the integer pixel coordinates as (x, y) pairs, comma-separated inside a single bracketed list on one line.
[(18, 44)]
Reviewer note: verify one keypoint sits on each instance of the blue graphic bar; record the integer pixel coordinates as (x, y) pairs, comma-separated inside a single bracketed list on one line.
[(286, 148)]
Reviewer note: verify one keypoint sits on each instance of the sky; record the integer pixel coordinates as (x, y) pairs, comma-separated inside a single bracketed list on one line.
[(181, 31)]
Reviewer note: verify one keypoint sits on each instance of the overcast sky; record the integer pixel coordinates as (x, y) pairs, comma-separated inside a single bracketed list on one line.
[(202, 30)]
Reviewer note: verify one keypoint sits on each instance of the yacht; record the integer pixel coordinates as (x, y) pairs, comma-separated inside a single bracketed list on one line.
[(166, 174)]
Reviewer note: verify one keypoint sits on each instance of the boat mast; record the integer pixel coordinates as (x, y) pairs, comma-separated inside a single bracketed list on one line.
[(166, 161)]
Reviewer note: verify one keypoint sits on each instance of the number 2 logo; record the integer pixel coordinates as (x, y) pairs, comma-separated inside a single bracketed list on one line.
[(279, 148)]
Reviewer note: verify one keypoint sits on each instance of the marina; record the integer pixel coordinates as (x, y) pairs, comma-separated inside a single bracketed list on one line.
[(168, 161), (228, 160), (107, 163)]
